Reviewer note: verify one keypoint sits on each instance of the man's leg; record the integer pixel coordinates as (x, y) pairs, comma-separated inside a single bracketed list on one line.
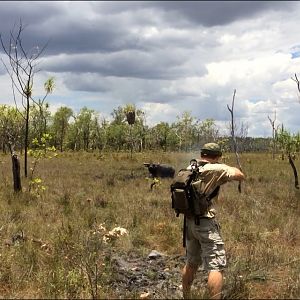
[(188, 275), (215, 284)]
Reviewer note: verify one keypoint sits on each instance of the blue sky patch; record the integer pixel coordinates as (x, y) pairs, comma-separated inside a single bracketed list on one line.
[(295, 54)]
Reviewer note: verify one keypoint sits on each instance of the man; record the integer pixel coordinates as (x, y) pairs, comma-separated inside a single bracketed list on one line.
[(204, 244)]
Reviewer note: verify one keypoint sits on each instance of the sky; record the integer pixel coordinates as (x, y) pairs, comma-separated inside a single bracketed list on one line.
[(165, 57)]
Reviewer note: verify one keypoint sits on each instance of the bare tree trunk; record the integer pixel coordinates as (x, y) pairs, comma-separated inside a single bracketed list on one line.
[(26, 138), (15, 164), (233, 138), (273, 135), (131, 139), (294, 170), (16, 172), (62, 136), (21, 70), (297, 82)]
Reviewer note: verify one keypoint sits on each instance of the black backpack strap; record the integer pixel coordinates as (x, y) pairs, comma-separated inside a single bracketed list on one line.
[(184, 232), (214, 193), (197, 220)]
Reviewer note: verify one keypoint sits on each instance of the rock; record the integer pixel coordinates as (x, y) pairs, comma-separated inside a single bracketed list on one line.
[(144, 295), (155, 254)]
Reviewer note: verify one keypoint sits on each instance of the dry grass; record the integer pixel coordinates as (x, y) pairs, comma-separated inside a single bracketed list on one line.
[(50, 246)]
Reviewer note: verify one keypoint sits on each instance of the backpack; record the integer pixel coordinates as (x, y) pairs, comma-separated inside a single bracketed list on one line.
[(186, 193)]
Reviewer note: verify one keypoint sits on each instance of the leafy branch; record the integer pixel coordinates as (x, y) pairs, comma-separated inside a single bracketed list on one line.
[(41, 149), (289, 143)]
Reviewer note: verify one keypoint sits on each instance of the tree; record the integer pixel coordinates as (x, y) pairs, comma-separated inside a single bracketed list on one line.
[(118, 116), (116, 136), (185, 129), (130, 112), (289, 143), (39, 118), (100, 133), (40, 114), (137, 131), (116, 130), (60, 125), (11, 128), (274, 130), (22, 68), (140, 130), (298, 83), (83, 122), (161, 132), (206, 131), (235, 146)]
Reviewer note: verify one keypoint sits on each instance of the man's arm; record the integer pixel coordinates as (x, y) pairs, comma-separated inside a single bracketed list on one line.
[(222, 173), (237, 174)]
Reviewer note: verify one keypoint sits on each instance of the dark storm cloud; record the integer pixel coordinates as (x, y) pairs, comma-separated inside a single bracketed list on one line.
[(212, 13), (66, 31), (69, 27), (206, 13), (87, 38), (31, 14), (134, 64), (121, 51), (88, 82)]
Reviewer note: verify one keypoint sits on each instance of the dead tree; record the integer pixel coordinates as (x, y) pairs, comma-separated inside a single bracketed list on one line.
[(274, 130), (294, 170), (235, 147), (15, 164), (21, 68), (289, 155), (298, 83), (130, 114), (16, 172)]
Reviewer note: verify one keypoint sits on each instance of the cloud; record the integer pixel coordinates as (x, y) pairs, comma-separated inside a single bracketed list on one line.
[(191, 13), (89, 82), (70, 27), (158, 112), (29, 12), (158, 64), (165, 56), (2, 69), (213, 13)]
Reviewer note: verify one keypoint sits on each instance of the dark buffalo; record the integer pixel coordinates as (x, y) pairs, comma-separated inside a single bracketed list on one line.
[(160, 170)]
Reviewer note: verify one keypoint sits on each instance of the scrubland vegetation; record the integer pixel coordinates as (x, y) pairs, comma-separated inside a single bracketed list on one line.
[(53, 238), (61, 229)]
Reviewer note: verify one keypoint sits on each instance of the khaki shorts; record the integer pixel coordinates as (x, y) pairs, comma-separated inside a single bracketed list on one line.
[(204, 244)]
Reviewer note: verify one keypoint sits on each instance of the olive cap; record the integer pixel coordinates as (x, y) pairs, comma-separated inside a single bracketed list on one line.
[(211, 149)]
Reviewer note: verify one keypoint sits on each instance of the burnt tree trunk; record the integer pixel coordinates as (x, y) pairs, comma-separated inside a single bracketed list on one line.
[(16, 172), (234, 142), (294, 171)]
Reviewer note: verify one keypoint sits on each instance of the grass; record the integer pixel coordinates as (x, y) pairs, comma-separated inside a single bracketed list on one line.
[(51, 245)]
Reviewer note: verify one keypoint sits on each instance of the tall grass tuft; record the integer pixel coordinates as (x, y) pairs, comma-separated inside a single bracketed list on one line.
[(52, 244)]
